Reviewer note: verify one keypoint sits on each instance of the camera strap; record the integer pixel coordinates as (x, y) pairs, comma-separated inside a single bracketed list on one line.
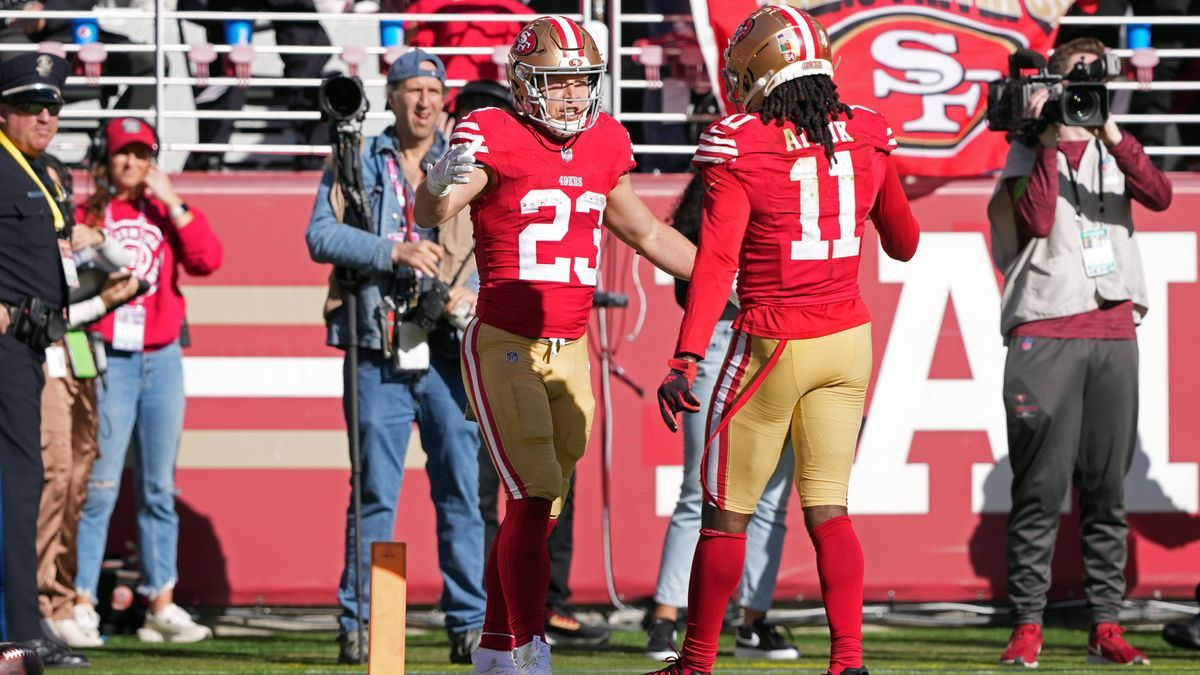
[(1075, 182)]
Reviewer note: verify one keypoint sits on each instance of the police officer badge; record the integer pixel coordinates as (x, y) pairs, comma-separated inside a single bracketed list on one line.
[(43, 65)]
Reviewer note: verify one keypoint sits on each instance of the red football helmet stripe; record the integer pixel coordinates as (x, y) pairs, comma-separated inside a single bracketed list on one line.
[(569, 35)]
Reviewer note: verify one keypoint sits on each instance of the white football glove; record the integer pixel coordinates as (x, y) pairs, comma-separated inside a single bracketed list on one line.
[(454, 168)]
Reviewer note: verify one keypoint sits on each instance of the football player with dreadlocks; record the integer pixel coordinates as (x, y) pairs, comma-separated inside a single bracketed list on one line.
[(790, 183), (539, 182)]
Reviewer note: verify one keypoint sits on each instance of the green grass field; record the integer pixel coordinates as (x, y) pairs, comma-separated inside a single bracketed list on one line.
[(889, 650)]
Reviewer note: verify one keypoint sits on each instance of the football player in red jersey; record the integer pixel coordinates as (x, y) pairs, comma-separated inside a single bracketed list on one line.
[(539, 183), (790, 184)]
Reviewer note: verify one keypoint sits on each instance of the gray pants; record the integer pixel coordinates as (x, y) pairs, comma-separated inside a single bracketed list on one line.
[(1072, 409)]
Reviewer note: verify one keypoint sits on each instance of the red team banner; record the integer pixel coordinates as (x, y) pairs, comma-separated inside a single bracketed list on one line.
[(923, 64), (264, 476)]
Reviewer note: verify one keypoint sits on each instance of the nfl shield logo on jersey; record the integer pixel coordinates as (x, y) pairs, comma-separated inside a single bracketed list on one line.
[(567, 154)]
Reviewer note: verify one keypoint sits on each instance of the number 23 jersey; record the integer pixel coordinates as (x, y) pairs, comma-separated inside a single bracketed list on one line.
[(537, 229)]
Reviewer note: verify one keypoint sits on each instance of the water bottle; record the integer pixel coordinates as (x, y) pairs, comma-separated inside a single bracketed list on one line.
[(391, 33), (1137, 36), (85, 30), (239, 32)]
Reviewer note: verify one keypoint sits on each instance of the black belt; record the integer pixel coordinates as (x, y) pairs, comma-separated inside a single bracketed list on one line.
[(31, 321)]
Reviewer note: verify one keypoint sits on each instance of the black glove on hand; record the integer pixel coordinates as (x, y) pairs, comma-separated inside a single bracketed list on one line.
[(675, 392)]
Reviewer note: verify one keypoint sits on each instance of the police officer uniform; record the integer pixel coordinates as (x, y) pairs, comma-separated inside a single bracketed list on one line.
[(33, 290)]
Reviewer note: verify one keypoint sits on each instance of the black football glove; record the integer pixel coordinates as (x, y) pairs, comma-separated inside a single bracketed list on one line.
[(675, 392)]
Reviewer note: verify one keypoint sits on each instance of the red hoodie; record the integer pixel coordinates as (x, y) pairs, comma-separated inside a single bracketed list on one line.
[(157, 249)]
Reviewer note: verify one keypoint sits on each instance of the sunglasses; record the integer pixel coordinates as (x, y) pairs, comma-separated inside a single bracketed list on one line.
[(36, 107)]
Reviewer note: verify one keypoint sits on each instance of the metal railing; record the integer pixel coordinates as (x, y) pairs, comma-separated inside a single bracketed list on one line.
[(620, 64)]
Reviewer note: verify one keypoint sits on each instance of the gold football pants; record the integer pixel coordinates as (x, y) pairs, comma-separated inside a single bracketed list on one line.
[(815, 387), (533, 400)]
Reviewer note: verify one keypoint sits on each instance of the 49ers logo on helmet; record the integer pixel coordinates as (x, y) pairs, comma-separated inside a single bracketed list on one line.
[(928, 74), (526, 43), (742, 31)]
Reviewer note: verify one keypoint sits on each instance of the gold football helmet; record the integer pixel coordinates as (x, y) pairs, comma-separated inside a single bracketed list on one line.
[(775, 44), (548, 46)]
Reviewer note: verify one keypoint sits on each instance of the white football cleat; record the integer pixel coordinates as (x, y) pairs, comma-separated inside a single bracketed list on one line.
[(493, 662), (533, 658)]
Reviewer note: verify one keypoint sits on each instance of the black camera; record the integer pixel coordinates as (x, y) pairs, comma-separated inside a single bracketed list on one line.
[(431, 306), (1078, 99), (342, 99)]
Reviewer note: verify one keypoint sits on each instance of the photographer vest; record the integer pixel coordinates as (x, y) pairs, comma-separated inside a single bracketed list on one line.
[(1048, 278)]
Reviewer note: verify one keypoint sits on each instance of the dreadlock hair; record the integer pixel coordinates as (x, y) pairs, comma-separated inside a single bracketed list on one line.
[(808, 102)]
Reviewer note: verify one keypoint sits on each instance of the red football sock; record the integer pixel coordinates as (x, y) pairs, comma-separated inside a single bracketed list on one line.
[(497, 631), (525, 566), (840, 566), (716, 571)]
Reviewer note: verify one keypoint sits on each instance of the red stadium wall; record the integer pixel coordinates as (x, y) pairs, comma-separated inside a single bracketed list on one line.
[(263, 473)]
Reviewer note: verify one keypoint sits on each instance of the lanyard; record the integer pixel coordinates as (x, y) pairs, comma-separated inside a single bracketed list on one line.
[(404, 195), (1075, 183), (59, 222)]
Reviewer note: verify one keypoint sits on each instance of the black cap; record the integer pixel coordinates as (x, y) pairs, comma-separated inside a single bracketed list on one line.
[(486, 89), (34, 76)]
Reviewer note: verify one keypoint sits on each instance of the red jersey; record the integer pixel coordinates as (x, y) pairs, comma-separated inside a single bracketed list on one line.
[(790, 222), (157, 251), (537, 229)]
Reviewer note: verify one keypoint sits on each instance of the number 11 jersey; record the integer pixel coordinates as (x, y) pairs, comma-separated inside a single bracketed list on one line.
[(790, 221), (537, 228)]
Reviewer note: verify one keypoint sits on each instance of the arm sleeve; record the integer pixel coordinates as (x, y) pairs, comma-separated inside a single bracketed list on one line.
[(113, 252), (722, 227), (86, 311), (330, 241), (1145, 183), (200, 250), (893, 218), (1033, 207)]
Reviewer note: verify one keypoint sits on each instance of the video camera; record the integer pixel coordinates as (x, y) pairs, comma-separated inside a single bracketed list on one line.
[(1078, 99)]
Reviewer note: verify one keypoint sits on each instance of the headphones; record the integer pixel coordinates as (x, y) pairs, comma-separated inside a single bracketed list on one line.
[(97, 154), (98, 150)]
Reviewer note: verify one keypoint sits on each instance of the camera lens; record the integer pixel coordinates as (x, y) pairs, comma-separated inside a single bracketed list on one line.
[(342, 97), (1082, 106)]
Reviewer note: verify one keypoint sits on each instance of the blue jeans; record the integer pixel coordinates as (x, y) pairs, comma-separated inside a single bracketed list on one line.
[(388, 406), (143, 396), (764, 535)]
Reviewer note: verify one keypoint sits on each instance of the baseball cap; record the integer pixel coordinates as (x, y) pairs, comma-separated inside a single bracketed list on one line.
[(126, 131), (34, 76), (415, 63)]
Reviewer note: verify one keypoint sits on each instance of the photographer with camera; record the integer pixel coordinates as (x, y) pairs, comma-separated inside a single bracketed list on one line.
[(408, 364), (1062, 234)]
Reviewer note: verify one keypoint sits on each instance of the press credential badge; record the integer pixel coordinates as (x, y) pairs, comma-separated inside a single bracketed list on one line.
[(129, 328), (1098, 257)]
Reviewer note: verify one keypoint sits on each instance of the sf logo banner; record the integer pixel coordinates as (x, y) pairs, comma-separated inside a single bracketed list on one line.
[(924, 68)]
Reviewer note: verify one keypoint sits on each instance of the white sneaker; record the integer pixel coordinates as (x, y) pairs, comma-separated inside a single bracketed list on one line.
[(172, 624), (493, 662), (88, 621), (73, 634), (533, 658)]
